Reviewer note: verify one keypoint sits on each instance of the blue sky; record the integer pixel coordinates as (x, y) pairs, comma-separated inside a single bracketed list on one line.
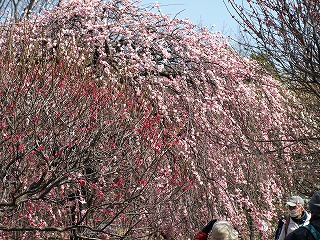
[(204, 12)]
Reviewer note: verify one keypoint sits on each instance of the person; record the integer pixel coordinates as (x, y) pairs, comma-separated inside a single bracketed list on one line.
[(303, 233), (297, 216), (217, 230)]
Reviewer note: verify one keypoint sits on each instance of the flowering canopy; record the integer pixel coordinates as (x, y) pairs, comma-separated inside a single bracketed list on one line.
[(119, 122)]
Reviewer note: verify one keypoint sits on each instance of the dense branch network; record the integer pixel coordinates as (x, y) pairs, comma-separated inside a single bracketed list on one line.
[(120, 122)]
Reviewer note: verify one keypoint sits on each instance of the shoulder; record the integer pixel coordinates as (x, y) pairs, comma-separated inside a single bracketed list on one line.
[(300, 233)]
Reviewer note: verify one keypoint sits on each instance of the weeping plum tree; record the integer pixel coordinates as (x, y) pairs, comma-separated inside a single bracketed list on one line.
[(120, 123)]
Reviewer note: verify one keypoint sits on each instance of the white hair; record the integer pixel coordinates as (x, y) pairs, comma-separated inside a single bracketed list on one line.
[(223, 230)]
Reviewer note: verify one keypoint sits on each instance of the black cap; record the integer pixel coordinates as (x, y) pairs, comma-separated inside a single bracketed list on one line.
[(314, 203)]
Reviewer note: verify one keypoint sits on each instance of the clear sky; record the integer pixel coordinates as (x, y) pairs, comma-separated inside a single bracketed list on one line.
[(204, 12)]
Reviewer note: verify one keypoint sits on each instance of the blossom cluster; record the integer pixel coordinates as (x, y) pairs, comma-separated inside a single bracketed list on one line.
[(120, 122)]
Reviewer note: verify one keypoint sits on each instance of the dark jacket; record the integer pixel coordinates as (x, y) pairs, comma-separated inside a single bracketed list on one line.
[(303, 233)]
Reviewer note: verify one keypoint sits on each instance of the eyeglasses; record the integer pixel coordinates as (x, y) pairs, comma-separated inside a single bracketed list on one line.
[(294, 207)]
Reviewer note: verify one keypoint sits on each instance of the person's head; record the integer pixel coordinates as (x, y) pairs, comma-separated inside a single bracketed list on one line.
[(223, 230), (314, 203), (295, 206)]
